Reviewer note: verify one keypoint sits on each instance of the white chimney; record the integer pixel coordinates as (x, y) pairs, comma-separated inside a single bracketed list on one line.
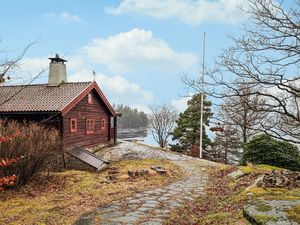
[(57, 71)]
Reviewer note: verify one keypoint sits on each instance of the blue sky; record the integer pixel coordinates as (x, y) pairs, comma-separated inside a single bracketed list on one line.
[(140, 49)]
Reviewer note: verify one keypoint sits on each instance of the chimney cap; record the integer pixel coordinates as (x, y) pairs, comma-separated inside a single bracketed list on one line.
[(57, 59)]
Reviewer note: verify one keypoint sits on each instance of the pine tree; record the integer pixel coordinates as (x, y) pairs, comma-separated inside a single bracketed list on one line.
[(187, 130), (227, 146)]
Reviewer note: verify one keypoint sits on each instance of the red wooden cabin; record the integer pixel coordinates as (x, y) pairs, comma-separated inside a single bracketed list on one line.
[(80, 111)]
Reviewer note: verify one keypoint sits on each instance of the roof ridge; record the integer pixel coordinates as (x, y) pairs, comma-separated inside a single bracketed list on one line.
[(22, 85)]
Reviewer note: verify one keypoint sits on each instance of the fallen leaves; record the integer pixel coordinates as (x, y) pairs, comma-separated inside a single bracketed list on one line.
[(220, 205)]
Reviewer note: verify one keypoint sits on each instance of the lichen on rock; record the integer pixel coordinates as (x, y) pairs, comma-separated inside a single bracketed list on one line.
[(269, 212)]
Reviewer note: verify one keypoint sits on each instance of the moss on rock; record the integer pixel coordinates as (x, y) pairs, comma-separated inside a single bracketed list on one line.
[(262, 207), (294, 213), (264, 218)]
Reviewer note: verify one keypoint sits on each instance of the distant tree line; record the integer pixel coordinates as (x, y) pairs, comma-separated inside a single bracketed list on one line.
[(131, 117)]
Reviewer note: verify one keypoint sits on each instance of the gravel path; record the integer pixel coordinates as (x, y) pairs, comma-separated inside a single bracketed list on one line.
[(152, 206)]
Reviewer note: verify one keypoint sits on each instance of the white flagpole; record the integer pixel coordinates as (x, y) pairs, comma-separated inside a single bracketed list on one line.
[(202, 96)]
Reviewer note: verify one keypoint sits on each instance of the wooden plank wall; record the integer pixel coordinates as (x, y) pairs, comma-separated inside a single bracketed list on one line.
[(82, 111), (51, 120)]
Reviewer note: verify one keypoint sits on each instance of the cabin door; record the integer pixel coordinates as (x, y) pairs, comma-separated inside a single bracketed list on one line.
[(111, 128)]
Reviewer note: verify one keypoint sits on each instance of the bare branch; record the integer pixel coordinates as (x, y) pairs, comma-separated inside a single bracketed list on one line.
[(161, 122)]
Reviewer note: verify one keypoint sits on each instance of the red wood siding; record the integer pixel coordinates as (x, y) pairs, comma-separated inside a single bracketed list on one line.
[(83, 111), (51, 120)]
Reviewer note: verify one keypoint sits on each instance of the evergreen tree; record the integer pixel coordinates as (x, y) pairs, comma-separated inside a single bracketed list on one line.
[(187, 130), (131, 118)]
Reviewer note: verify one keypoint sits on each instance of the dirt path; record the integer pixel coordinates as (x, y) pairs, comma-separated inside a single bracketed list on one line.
[(152, 206)]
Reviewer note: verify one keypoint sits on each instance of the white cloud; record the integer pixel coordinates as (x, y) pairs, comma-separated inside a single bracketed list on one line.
[(117, 89), (63, 17), (137, 49), (28, 69), (180, 104), (34, 65), (77, 63), (192, 12)]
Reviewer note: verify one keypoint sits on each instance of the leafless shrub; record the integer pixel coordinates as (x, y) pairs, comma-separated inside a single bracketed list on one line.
[(37, 147)]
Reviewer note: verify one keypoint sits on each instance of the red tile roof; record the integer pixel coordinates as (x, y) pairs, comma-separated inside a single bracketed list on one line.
[(40, 97)]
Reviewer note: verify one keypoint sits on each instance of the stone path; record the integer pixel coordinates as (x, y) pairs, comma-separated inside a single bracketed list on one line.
[(152, 206)]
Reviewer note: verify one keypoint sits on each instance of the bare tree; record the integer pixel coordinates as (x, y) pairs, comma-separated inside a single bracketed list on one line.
[(161, 122), (9, 65), (266, 58), (236, 113)]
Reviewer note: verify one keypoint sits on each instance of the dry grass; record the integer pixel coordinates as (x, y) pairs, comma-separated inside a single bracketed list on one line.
[(225, 198), (220, 205), (67, 195), (294, 213)]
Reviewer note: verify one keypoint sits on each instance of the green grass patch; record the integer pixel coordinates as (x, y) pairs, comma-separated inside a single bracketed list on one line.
[(263, 218), (261, 168), (274, 193)]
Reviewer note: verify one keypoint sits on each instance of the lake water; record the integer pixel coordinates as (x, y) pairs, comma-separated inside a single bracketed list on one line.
[(137, 134)]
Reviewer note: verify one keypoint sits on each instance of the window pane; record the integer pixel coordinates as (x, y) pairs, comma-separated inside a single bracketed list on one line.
[(90, 100), (112, 122), (73, 125), (90, 125)]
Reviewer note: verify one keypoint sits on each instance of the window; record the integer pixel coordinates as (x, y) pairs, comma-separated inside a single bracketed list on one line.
[(90, 98), (73, 125), (102, 124), (90, 126), (112, 122)]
